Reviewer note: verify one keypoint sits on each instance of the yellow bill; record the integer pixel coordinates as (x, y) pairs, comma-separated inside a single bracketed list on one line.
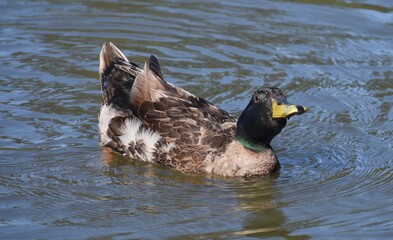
[(286, 110)]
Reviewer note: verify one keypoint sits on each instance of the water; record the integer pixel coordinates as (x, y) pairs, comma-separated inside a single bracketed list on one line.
[(336, 57)]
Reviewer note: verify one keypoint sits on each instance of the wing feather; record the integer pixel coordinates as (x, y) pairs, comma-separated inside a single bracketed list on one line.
[(189, 128)]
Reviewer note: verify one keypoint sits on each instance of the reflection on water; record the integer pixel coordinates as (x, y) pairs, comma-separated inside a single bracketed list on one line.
[(333, 56)]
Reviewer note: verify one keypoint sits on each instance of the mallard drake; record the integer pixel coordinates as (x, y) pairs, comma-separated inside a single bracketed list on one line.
[(146, 118)]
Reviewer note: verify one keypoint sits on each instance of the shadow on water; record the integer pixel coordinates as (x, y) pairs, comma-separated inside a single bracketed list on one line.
[(346, 4)]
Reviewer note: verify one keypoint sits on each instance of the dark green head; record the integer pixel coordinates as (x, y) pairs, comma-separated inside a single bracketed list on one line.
[(264, 117)]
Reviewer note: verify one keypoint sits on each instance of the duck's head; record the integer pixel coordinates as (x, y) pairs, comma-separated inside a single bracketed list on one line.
[(264, 117)]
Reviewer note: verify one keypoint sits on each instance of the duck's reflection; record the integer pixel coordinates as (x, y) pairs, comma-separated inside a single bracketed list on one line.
[(256, 198), (265, 218)]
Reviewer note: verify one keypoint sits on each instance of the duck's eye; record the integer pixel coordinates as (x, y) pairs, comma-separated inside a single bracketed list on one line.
[(278, 93)]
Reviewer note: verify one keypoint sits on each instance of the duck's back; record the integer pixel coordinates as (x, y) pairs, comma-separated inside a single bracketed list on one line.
[(148, 119)]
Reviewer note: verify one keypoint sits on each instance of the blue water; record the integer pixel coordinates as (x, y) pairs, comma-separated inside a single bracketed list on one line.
[(335, 57)]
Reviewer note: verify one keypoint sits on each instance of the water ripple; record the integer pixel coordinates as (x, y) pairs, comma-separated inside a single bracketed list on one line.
[(334, 57)]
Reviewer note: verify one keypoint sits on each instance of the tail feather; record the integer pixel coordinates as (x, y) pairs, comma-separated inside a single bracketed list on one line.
[(117, 75), (109, 55), (154, 65)]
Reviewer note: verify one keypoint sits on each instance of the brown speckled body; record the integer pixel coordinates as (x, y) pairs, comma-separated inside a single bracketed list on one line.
[(145, 118)]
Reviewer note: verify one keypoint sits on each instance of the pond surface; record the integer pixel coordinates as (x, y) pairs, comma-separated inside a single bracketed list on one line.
[(336, 57)]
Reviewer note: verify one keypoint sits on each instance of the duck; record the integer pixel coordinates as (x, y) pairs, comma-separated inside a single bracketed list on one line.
[(146, 118)]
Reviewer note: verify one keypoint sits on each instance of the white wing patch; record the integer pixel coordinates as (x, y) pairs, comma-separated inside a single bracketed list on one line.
[(133, 132), (106, 114)]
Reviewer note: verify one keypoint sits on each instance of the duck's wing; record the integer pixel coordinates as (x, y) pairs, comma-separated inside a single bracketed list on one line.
[(150, 92), (193, 125)]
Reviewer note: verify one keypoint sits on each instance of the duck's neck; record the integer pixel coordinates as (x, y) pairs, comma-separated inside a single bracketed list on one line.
[(256, 147), (255, 137)]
